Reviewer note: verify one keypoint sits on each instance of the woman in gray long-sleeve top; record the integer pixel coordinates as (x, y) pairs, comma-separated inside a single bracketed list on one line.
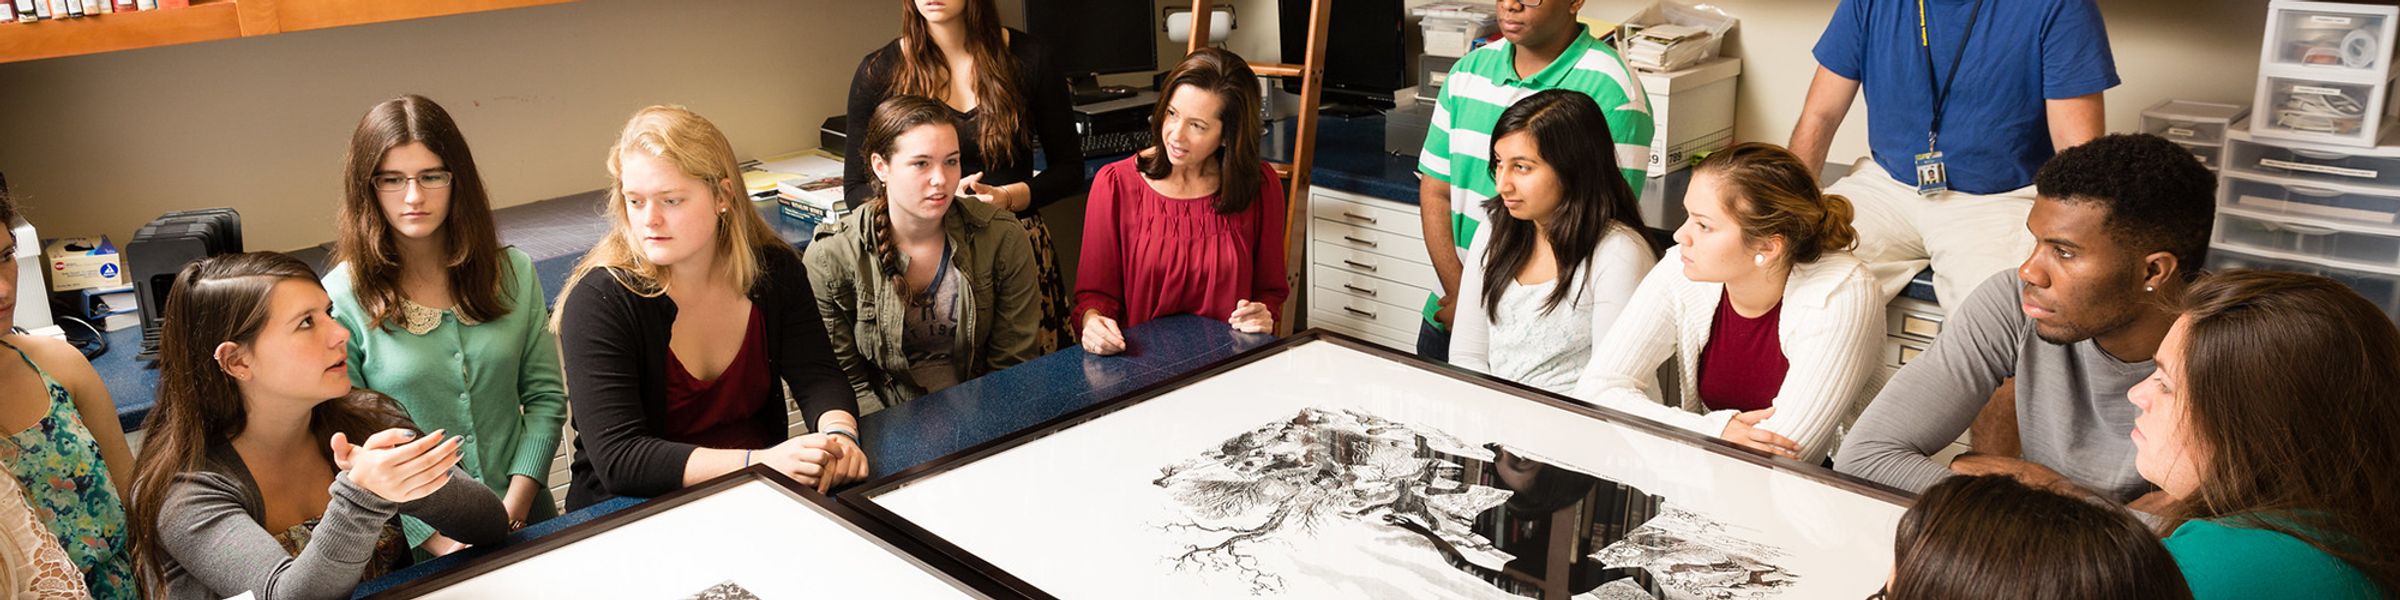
[(265, 472)]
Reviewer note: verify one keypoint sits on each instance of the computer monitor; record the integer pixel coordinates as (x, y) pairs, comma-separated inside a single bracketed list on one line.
[(1089, 38), (1366, 49)]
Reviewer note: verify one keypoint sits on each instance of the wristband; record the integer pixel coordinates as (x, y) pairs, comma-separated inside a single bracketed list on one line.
[(845, 433)]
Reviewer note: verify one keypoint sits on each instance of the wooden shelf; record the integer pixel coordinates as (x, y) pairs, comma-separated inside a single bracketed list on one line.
[(208, 20), (54, 38)]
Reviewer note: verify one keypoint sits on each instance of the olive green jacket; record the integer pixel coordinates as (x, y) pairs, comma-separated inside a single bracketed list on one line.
[(864, 313)]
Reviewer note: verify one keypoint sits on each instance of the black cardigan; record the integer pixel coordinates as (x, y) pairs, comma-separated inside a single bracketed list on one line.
[(615, 347), (1049, 113)]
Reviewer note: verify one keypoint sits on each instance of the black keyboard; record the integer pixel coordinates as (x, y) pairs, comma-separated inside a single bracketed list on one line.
[(1108, 143)]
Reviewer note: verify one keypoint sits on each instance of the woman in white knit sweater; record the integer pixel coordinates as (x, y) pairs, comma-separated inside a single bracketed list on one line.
[(1771, 321), (1565, 249)]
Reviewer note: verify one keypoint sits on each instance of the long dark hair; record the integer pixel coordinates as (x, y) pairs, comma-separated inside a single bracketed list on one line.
[(1221, 72), (894, 117), (924, 71), (2293, 384), (471, 244), (216, 300), (1991, 536), (1572, 134)]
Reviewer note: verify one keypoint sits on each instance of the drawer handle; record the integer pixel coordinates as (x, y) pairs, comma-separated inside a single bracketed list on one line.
[(2310, 191), (1370, 219), (1356, 240), (2319, 155), (1358, 264), (2304, 229), (1358, 312), (1368, 292)]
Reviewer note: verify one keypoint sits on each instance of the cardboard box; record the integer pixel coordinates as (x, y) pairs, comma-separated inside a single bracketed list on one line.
[(83, 263)]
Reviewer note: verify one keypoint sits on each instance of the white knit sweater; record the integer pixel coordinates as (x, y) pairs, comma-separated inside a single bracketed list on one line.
[(1830, 328), (1549, 350)]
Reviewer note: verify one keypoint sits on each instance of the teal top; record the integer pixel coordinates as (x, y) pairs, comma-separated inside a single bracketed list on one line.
[(2222, 561), (497, 384), (67, 484)]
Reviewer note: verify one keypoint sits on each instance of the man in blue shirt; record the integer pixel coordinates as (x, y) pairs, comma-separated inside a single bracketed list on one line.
[(1965, 100)]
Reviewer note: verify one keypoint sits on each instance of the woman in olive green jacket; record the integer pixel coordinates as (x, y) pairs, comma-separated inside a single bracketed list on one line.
[(922, 288)]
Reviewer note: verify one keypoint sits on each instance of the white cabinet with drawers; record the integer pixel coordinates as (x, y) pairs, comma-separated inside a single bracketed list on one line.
[(1367, 273)]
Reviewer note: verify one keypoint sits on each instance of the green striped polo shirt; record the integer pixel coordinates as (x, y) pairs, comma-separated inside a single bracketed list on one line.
[(1458, 144)]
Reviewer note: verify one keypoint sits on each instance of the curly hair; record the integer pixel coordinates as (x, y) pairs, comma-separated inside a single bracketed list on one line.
[(2158, 198)]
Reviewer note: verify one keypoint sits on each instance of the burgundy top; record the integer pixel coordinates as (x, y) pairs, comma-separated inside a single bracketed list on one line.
[(716, 414), (1146, 255), (1743, 365)]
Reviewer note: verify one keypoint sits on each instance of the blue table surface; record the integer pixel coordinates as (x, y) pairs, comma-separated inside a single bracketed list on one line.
[(974, 412)]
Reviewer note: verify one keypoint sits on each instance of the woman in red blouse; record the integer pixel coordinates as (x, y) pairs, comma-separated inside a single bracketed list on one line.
[(1192, 225)]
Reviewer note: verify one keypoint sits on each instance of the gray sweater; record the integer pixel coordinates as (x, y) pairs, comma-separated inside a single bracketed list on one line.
[(217, 546), (2072, 415)]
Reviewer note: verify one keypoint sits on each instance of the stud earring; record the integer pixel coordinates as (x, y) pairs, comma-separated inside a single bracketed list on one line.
[(1759, 260), (2149, 289)]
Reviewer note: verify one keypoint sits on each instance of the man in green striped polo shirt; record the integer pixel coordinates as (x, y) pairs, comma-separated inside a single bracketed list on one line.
[(1543, 48)]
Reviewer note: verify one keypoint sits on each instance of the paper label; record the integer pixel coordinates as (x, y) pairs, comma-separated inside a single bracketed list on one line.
[(2181, 132), (2329, 20), (2314, 90), (2309, 168)]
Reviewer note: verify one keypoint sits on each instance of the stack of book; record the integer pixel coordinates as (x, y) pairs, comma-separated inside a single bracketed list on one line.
[(1667, 47), (806, 186), (36, 10)]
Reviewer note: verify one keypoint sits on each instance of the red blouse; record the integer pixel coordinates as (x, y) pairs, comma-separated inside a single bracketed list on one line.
[(1743, 365), (1147, 255), (717, 414)]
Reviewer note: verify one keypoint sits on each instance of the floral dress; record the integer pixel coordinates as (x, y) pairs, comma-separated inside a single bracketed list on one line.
[(66, 483)]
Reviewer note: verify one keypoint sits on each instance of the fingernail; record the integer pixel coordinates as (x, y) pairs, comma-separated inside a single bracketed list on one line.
[(407, 434)]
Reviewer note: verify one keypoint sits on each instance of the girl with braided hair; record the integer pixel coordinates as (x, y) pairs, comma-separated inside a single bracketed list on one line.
[(921, 288)]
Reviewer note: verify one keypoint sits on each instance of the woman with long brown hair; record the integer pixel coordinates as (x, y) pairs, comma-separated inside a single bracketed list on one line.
[(685, 324), (921, 289), (1772, 324), (2269, 421), (441, 317), (1192, 225), (63, 446), (1006, 93), (264, 472), (1992, 536)]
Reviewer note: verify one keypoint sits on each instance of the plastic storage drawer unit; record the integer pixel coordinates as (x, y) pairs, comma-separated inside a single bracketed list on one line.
[(2381, 289), (2341, 39), (2345, 205), (2259, 234), (2192, 123), (2379, 166)]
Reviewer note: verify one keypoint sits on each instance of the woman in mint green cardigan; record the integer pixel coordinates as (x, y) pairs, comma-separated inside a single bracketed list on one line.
[(442, 317), (2269, 421)]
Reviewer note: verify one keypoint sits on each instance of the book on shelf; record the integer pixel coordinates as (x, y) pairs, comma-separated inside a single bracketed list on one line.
[(146, 4)]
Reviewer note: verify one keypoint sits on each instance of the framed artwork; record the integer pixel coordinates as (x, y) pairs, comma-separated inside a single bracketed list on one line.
[(749, 534), (1326, 467)]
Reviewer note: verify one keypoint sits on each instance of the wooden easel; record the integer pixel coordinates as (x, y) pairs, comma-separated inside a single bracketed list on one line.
[(1311, 71)]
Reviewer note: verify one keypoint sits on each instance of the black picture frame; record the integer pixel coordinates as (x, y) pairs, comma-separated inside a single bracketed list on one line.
[(862, 496), (947, 562)]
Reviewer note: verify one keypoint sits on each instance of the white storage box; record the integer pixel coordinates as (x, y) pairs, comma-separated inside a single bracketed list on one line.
[(2314, 163), (2261, 234), (2381, 289), (2328, 111), (2192, 123), (1692, 111), (2348, 206), (2330, 39)]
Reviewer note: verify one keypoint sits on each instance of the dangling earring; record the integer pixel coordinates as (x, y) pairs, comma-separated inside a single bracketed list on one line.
[(1760, 260)]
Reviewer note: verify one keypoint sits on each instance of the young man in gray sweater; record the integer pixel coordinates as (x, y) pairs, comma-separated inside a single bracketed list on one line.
[(2121, 227)]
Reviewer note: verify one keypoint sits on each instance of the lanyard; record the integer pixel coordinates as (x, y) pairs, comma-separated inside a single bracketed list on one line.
[(1941, 90)]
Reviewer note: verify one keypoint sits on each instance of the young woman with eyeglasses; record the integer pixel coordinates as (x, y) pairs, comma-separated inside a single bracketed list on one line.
[(441, 317)]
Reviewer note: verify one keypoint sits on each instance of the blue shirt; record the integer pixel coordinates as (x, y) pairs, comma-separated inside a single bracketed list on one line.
[(1996, 131)]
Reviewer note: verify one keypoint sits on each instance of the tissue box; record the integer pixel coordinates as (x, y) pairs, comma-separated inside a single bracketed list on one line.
[(83, 263)]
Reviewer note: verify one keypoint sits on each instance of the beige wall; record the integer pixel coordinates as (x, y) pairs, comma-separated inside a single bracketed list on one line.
[(261, 124)]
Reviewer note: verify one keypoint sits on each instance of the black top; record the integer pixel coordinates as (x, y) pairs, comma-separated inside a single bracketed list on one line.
[(615, 344), (1049, 111)]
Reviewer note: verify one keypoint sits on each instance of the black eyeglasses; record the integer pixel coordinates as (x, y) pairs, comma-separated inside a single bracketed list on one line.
[(1530, 3), (393, 182)]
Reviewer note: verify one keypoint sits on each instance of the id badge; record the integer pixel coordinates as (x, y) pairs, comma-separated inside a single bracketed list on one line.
[(1932, 176)]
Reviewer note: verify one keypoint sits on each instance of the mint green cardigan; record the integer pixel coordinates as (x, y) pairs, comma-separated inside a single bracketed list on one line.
[(2224, 559), (497, 383)]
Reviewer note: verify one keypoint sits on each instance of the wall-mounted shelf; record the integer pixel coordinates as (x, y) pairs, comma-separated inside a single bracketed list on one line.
[(207, 20)]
